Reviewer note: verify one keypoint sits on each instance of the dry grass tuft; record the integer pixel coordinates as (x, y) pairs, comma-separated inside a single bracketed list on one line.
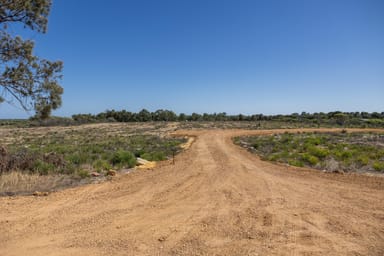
[(18, 183)]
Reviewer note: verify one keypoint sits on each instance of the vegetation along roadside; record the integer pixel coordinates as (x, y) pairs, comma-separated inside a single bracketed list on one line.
[(71, 155), (359, 152)]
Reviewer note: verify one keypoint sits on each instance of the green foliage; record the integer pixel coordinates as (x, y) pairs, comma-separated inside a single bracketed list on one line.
[(318, 152), (43, 168), (363, 160), (30, 81), (101, 165), (92, 149), (273, 157), (77, 158), (256, 121), (350, 150), (154, 156), (220, 120), (83, 174), (310, 159), (295, 162), (378, 166), (124, 159)]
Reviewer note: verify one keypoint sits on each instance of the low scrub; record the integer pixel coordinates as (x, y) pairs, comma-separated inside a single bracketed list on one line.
[(123, 158), (80, 150), (327, 151)]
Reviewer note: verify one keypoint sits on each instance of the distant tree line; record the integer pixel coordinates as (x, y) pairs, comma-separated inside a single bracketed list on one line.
[(336, 117), (330, 119)]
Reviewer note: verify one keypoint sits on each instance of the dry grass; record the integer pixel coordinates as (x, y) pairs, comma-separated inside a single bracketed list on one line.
[(18, 183)]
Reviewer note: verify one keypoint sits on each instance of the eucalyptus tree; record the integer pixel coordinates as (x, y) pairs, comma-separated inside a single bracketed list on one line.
[(25, 79)]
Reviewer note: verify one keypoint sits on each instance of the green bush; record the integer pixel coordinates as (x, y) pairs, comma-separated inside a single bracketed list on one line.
[(313, 141), (77, 158), (273, 157), (139, 153), (123, 158), (295, 162), (83, 174), (346, 155), (342, 154), (155, 156), (101, 165), (312, 160), (363, 160), (96, 149), (43, 168), (378, 166), (318, 152)]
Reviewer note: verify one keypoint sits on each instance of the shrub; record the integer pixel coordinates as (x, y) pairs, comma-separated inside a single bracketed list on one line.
[(139, 153), (273, 157), (378, 166), (346, 155), (342, 154), (101, 165), (155, 156), (318, 152), (295, 162), (363, 160), (256, 145), (312, 160), (313, 141), (96, 149), (123, 158), (43, 168), (286, 138), (77, 158), (83, 174)]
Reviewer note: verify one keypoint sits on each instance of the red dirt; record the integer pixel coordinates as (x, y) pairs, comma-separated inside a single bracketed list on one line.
[(217, 199)]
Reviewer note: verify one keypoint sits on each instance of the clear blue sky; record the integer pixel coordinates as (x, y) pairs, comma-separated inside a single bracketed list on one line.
[(234, 56)]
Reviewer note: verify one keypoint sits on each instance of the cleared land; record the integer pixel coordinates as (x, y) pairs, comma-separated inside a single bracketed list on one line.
[(218, 199)]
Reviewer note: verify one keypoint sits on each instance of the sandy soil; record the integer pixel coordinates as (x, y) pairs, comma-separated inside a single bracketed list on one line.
[(217, 199)]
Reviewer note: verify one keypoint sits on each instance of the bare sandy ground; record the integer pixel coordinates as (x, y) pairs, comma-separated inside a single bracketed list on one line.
[(217, 199)]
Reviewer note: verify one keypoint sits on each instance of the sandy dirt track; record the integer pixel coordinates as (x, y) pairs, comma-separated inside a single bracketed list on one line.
[(218, 199)]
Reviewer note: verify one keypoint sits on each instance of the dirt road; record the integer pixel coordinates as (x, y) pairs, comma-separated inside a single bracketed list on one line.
[(217, 199)]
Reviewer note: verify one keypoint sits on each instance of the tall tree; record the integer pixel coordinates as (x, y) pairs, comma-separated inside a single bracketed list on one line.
[(25, 79)]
